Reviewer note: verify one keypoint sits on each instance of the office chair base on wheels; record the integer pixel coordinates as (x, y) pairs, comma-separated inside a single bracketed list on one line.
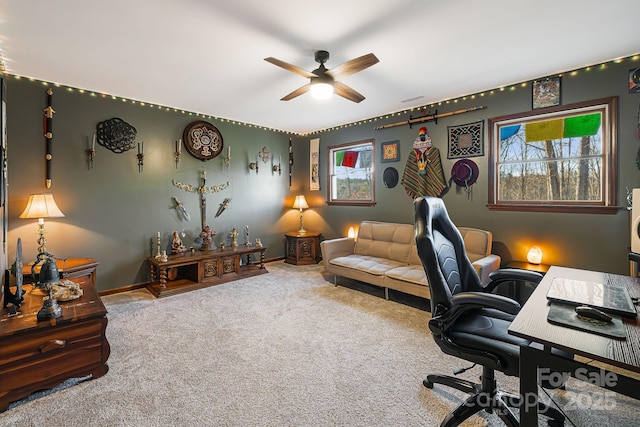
[(487, 397)]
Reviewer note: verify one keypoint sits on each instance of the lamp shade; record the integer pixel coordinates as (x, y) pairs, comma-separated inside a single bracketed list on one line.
[(41, 206), (321, 90), (300, 203)]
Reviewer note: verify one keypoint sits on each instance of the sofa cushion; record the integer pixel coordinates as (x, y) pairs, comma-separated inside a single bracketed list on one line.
[(385, 240), (368, 264), (409, 273), (477, 243)]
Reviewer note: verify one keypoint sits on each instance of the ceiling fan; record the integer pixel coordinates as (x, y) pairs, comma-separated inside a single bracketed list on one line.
[(323, 82)]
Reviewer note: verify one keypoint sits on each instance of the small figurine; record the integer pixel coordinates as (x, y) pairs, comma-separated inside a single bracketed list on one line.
[(234, 238), (247, 242), (206, 237), (258, 243), (176, 244)]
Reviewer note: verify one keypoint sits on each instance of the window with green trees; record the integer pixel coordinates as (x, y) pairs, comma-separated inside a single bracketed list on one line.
[(351, 174), (557, 159)]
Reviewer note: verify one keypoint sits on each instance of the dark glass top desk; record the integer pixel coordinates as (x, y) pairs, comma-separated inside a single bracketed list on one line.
[(531, 324)]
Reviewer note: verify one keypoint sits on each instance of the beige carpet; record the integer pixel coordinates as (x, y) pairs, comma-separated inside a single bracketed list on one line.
[(283, 349)]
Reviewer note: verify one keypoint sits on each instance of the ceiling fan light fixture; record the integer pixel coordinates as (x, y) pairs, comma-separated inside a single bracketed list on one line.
[(321, 90)]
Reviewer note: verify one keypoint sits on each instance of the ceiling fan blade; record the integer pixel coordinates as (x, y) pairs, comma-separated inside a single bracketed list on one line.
[(297, 92), (353, 66), (345, 91), (289, 67)]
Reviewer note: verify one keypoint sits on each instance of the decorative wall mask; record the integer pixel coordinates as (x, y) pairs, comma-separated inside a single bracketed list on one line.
[(116, 135), (203, 140)]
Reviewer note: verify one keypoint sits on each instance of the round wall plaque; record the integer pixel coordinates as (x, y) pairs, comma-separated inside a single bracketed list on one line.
[(203, 140), (390, 177)]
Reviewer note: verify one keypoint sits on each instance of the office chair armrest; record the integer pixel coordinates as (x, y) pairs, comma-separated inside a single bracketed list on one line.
[(512, 275), (465, 301)]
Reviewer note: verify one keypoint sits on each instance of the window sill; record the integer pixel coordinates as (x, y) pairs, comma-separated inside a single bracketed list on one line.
[(607, 210), (351, 203)]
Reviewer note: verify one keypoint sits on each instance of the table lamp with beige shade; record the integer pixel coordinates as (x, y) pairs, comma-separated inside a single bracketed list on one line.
[(41, 206), (301, 203)]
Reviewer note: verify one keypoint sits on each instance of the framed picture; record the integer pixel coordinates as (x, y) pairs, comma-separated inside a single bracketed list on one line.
[(390, 151), (546, 93), (466, 140), (634, 80), (314, 162)]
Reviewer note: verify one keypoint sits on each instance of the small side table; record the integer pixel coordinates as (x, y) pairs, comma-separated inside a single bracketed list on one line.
[(521, 291), (302, 249), (540, 268)]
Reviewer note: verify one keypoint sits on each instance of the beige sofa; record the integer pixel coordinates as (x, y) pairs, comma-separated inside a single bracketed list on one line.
[(384, 254)]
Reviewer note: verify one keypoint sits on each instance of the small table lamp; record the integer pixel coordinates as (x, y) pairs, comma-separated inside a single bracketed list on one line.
[(301, 203), (41, 206), (534, 256)]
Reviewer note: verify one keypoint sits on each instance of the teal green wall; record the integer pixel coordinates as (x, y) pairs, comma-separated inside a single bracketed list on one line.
[(597, 242), (113, 212)]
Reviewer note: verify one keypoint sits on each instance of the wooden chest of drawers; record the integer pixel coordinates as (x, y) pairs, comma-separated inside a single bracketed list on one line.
[(36, 355)]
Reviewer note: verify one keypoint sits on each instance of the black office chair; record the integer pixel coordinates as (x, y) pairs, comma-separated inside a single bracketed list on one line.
[(467, 320)]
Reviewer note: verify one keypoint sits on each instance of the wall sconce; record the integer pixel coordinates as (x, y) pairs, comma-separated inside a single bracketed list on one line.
[(177, 153), (534, 256), (254, 166), (140, 156), (227, 160), (278, 167), (301, 203), (91, 152), (41, 206)]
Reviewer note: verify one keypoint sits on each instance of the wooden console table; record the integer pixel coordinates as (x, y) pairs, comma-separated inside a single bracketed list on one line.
[(199, 269), (37, 355)]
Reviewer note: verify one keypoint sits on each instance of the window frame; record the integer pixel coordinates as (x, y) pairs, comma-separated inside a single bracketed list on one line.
[(331, 167), (609, 180)]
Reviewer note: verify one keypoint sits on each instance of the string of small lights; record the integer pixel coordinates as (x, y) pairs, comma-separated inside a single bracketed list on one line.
[(422, 108)]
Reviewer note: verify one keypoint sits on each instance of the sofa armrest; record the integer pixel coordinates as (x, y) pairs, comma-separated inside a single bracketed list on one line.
[(485, 266), (334, 248)]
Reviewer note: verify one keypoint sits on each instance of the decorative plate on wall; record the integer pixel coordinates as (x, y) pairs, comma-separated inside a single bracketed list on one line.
[(203, 140)]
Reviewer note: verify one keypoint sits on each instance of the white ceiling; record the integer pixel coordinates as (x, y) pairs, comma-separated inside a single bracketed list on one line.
[(207, 56)]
